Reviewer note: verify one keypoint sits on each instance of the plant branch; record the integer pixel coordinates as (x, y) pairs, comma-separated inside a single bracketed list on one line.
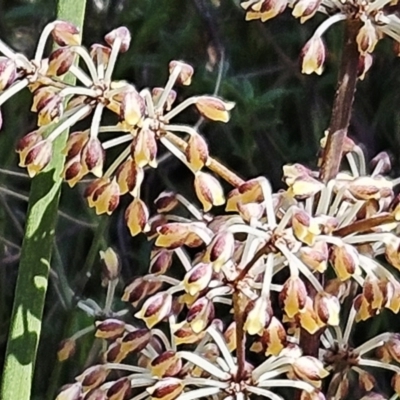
[(365, 225), (342, 105), (33, 274)]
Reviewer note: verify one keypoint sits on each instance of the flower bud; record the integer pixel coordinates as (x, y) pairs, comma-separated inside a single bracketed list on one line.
[(73, 171), (160, 261), (136, 291), (120, 35), (8, 72), (135, 341), (26, 143), (313, 56), (166, 389), (51, 111), (176, 234), (293, 171), (200, 314), (305, 187), (308, 318), (144, 148), (133, 107), (156, 95), (393, 347), (214, 108), (263, 9), (375, 292), (366, 188), (155, 309), (129, 177), (392, 251), (60, 61), (93, 377), (293, 296), (100, 54), (208, 190), (111, 263), (305, 9), (258, 315), (316, 256), (185, 74), (196, 152), (272, 340), (183, 334), (220, 250), (364, 64), (66, 349), (103, 194), (327, 307), (367, 38), (230, 336), (309, 369), (93, 156), (119, 390), (366, 380), (345, 261), (166, 364), (38, 157), (304, 227), (137, 216), (110, 328), (65, 33), (166, 202), (70, 392), (396, 383), (198, 278), (363, 308)]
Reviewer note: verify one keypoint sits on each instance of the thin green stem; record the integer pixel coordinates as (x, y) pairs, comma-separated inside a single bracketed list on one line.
[(32, 282)]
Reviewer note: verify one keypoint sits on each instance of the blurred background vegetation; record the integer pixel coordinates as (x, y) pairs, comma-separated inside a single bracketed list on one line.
[(279, 117)]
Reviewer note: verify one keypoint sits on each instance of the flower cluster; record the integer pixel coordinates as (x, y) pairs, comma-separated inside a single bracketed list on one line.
[(252, 285), (143, 120), (373, 19)]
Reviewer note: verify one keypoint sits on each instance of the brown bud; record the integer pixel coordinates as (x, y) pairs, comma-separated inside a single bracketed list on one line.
[(313, 56), (396, 383), (345, 261), (327, 307), (110, 328), (70, 392), (51, 111), (100, 53), (144, 148), (214, 108), (305, 9), (305, 228), (176, 234), (185, 74), (156, 95), (166, 364), (103, 194), (93, 156), (25, 144), (309, 369), (196, 152), (93, 377), (133, 107), (208, 190), (293, 171), (38, 157), (183, 334), (160, 261), (166, 389), (304, 187), (73, 171), (135, 341), (166, 202), (66, 349), (8, 72), (60, 61), (230, 336), (200, 314), (112, 265), (155, 309), (293, 296), (198, 278), (316, 256), (137, 216), (273, 338), (119, 390), (136, 291), (120, 35), (220, 250), (65, 33), (383, 160), (258, 315), (129, 177)]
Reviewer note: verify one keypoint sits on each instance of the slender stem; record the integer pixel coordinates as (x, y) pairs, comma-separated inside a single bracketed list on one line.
[(240, 336), (33, 274), (342, 105), (364, 225)]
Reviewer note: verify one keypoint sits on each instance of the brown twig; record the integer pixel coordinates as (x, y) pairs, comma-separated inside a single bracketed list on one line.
[(364, 225), (212, 164), (333, 151)]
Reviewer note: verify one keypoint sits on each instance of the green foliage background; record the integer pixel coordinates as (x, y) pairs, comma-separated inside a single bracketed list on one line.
[(279, 117)]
